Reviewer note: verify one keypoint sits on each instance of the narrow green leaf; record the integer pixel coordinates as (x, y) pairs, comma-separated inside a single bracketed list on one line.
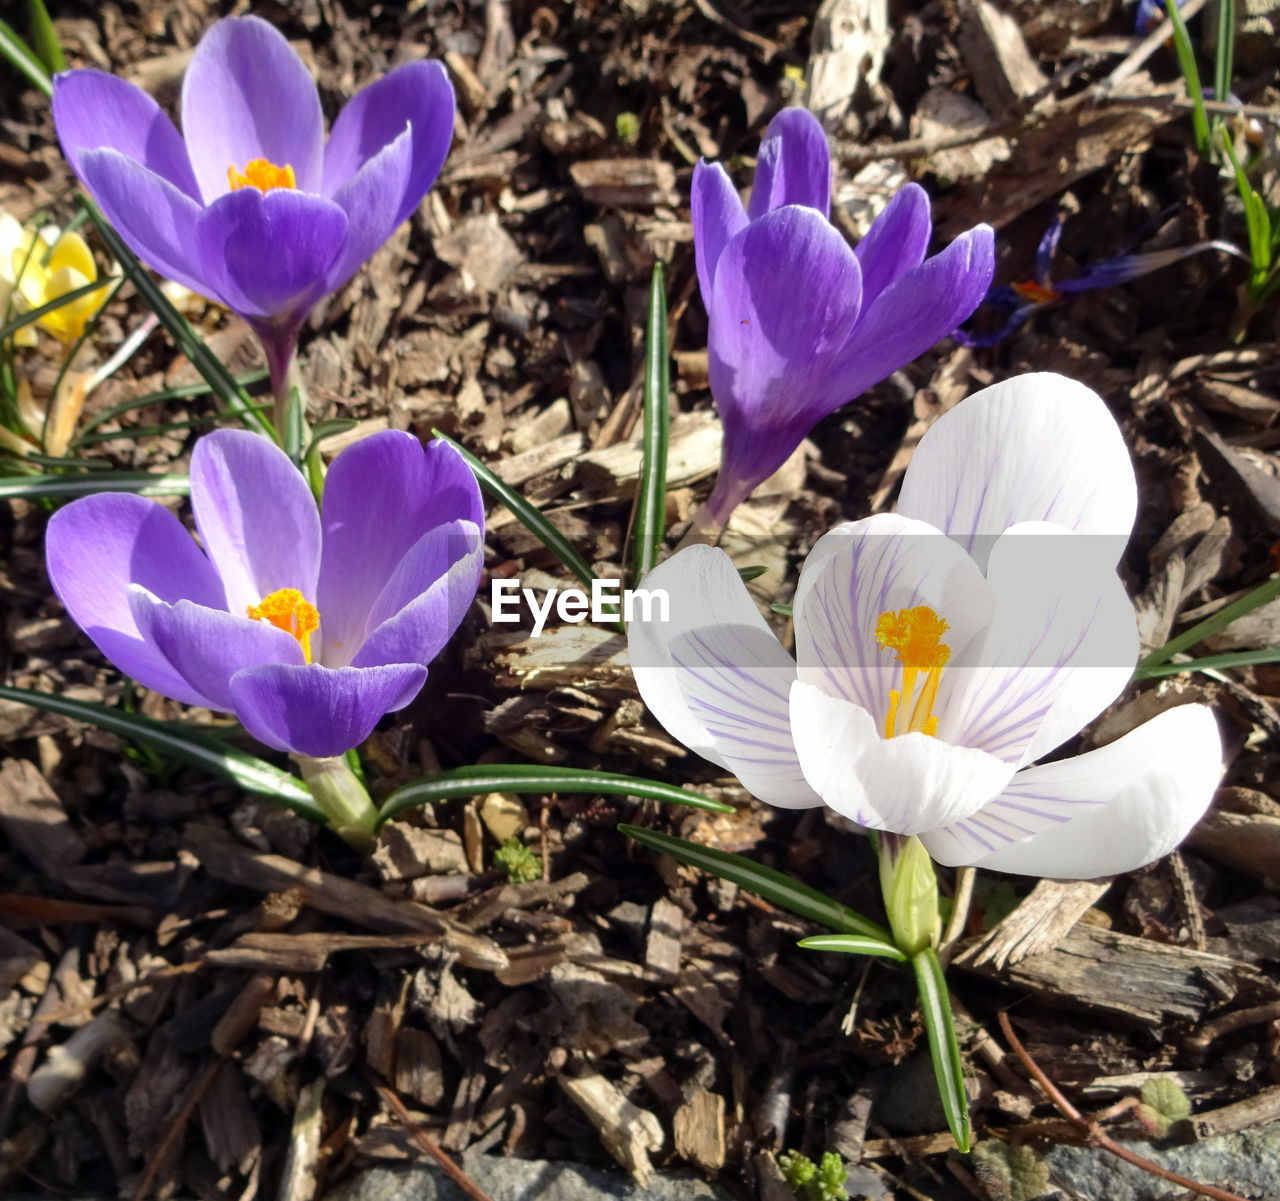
[(45, 38), (1224, 50), (295, 426), (944, 1049), (775, 886), (19, 56), (181, 392), (751, 573), (532, 777), (651, 498), (328, 429), (198, 749), (189, 342), (144, 483), (852, 944), (1191, 74), (33, 315), (781, 610), (1269, 654), (1254, 599), (525, 513), (151, 431)]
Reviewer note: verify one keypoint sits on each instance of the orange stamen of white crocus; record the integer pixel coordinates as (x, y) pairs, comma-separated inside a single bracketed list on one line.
[(916, 634)]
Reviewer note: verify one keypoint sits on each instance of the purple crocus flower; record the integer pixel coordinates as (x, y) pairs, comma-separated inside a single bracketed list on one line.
[(1042, 291), (799, 323), (250, 205), (308, 626)]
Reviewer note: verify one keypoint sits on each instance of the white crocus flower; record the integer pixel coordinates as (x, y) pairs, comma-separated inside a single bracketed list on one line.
[(944, 648)]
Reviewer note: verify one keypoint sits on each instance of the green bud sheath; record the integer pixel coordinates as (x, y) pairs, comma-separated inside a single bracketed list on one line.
[(910, 891)]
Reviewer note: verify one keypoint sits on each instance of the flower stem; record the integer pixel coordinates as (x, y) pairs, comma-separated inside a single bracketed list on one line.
[(342, 798), (910, 891)]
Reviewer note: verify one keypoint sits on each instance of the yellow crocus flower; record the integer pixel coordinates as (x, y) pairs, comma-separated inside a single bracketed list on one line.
[(42, 265)]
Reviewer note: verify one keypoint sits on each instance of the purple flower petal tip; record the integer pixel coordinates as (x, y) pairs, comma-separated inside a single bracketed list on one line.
[(308, 627), (248, 205), (798, 323)]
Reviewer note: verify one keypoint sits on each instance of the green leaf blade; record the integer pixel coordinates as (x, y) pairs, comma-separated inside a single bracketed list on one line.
[(651, 498), (784, 891), (944, 1047), (67, 487), (461, 782), (852, 944)]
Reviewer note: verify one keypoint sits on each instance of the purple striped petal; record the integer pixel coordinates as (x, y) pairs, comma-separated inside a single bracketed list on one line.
[(380, 497), (1098, 814), (206, 647), (1061, 645), (426, 597), (1038, 447), (320, 711), (96, 111), (156, 219), (245, 96), (96, 548), (895, 243), (372, 201), (715, 676), (785, 299), (866, 568), (917, 311), (417, 97), (256, 518), (907, 785), (794, 166), (269, 255), (717, 215)]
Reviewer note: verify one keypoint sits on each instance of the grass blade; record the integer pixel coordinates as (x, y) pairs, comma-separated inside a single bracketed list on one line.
[(852, 944), (944, 1049), (44, 38), (1191, 75), (181, 392), (525, 513), (220, 380), (1268, 654), (1211, 625), (651, 500), (1224, 50), (532, 777), (198, 749), (775, 886), (19, 56), (63, 487)]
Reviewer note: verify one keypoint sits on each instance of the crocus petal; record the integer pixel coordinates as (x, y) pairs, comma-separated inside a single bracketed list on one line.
[(96, 111), (1063, 632), (245, 96), (785, 296), (896, 242), (1101, 813), (256, 518), (320, 711), (1038, 447), (417, 97), (717, 215), (863, 569), (716, 677), (156, 219), (381, 496), (916, 311), (372, 202), (206, 647), (906, 784), (269, 254), (96, 548), (426, 597), (794, 165)]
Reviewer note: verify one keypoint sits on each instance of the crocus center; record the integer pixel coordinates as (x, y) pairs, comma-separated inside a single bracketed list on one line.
[(916, 635), (1036, 293), (262, 174), (288, 610)]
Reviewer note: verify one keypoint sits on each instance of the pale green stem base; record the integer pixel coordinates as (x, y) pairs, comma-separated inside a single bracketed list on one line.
[(342, 798), (910, 891)]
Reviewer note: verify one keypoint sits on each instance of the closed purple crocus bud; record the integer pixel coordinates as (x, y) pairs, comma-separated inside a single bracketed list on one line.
[(308, 626), (250, 205), (800, 323)]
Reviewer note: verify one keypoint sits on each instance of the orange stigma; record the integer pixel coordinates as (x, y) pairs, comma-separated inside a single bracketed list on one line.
[(1036, 293), (288, 610), (262, 174), (916, 634)]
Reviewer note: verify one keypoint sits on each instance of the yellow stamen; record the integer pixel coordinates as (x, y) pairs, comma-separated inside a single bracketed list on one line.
[(916, 635), (262, 174), (288, 610)]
